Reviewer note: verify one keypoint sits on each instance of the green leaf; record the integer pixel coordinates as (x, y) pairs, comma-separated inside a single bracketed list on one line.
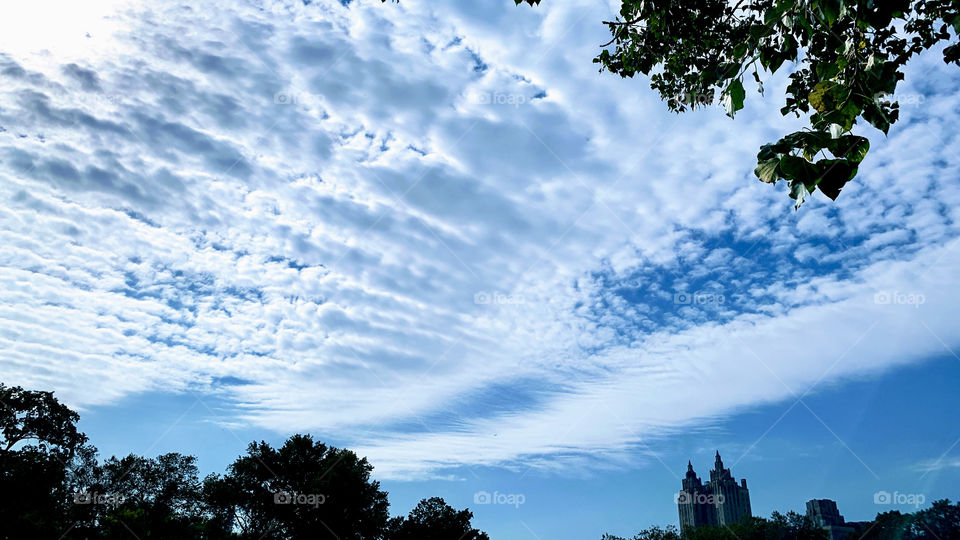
[(880, 116), (835, 173), (850, 147), (952, 54), (772, 60), (827, 70), (797, 168), (798, 192), (773, 15), (823, 97), (766, 171), (831, 10), (758, 31), (768, 151), (733, 98)]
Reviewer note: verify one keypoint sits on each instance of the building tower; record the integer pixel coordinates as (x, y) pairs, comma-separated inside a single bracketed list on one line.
[(732, 500), (720, 501), (824, 513), (693, 501)]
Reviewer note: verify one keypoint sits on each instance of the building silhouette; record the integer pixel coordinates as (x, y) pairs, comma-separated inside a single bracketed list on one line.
[(824, 514), (719, 501)]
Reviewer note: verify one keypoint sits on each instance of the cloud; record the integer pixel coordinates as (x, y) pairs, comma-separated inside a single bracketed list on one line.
[(433, 231), (938, 464)]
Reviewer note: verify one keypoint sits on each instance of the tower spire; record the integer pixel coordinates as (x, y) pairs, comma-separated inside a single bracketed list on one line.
[(719, 462)]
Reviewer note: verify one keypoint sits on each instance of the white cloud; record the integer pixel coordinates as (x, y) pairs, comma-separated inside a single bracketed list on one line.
[(932, 465), (171, 219)]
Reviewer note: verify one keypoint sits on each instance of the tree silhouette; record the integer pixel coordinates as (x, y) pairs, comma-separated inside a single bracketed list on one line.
[(304, 489), (653, 533), (791, 526), (940, 521), (435, 519), (38, 438)]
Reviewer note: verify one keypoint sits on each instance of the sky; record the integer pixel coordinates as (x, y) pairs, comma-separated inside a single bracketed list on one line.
[(433, 233)]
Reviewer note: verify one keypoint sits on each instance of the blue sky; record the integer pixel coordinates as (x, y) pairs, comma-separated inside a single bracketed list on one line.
[(433, 233)]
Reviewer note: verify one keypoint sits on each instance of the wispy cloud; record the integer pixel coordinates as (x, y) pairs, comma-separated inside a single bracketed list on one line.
[(938, 464)]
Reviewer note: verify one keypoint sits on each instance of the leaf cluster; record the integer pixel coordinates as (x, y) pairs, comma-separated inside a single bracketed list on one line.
[(847, 57)]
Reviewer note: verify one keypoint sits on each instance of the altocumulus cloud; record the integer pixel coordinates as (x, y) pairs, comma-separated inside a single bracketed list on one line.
[(434, 231)]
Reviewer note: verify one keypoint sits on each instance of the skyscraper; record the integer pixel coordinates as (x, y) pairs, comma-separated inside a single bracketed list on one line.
[(720, 501), (824, 513)]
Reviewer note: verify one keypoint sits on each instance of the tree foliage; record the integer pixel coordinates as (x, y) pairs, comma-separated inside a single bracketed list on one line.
[(38, 423), (304, 489), (940, 521), (435, 519), (653, 533), (38, 441), (52, 485), (154, 497), (790, 526), (846, 56)]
